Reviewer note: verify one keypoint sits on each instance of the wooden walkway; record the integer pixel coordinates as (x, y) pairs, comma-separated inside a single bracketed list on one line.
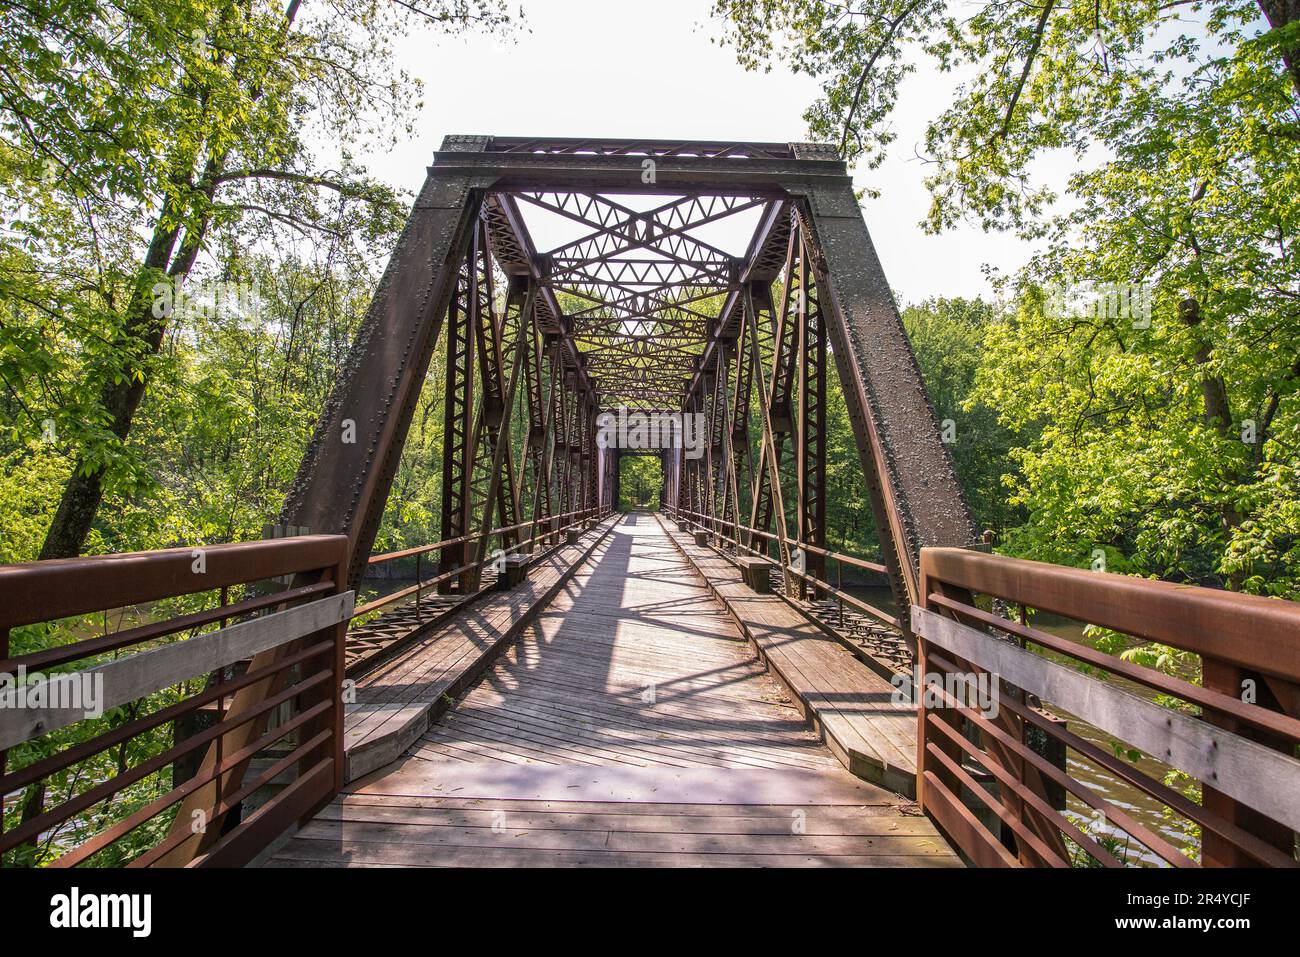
[(851, 706), (630, 724), (396, 701)]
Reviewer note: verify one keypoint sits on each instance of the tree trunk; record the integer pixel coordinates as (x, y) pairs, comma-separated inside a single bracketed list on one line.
[(1280, 13), (85, 488), (1217, 414)]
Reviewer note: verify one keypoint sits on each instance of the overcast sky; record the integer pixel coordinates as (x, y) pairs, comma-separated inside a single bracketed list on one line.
[(649, 69)]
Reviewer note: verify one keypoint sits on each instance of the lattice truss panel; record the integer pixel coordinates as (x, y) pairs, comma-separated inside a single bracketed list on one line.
[(554, 282), (703, 303), (640, 279)]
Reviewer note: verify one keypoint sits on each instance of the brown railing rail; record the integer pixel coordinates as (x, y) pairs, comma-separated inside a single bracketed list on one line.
[(551, 528), (989, 780), (146, 732)]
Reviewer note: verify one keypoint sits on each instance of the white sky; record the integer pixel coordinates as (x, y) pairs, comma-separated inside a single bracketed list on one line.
[(649, 69)]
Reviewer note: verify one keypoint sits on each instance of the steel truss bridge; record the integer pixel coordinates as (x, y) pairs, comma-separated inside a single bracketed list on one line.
[(554, 682)]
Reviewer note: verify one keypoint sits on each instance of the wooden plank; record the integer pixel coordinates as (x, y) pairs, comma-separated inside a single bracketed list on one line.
[(428, 839), (831, 821), (603, 809), (130, 678), (396, 702), (334, 853), (576, 680), (662, 785), (719, 734), (849, 704), (1252, 631), (1254, 774), (957, 820)]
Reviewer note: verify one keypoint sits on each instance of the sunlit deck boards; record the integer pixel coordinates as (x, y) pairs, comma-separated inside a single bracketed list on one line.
[(454, 814), (631, 724), (633, 663), (396, 701), (851, 706)]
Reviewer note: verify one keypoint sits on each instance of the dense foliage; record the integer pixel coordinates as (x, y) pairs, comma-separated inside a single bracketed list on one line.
[(159, 160), (641, 479), (1146, 359), (187, 245)]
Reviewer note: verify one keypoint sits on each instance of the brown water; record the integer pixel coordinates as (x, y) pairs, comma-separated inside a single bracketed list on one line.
[(1144, 809)]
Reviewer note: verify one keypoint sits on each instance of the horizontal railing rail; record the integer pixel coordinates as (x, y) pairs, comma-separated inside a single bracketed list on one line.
[(552, 528), (133, 746), (996, 779)]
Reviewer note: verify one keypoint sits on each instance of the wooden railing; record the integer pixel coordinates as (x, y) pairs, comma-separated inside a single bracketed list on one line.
[(742, 537), (996, 783), (131, 746)]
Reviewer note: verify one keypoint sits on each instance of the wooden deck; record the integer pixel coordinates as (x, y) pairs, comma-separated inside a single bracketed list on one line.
[(850, 705), (396, 701), (630, 724)]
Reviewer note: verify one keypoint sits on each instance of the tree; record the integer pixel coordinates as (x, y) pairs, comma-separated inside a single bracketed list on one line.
[(641, 479), (949, 337), (144, 129), (1150, 350)]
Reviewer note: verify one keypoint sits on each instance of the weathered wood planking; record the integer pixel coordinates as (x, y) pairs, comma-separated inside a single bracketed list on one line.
[(560, 757), (397, 700), (438, 814), (634, 663), (851, 706)]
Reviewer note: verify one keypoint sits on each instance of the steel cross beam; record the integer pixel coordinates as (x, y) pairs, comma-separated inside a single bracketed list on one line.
[(640, 304)]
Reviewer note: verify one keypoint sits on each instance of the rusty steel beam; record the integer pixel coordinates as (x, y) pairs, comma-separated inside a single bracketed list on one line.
[(458, 433), (347, 471), (916, 494), (639, 309), (810, 421)]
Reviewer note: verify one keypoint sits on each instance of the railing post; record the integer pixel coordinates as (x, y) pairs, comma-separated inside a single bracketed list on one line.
[(340, 670), (418, 556), (1217, 851), (335, 661), (996, 752), (919, 668)]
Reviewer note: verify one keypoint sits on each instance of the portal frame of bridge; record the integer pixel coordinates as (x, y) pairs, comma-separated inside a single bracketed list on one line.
[(809, 287)]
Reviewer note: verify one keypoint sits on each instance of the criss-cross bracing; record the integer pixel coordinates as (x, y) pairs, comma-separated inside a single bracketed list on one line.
[(578, 278)]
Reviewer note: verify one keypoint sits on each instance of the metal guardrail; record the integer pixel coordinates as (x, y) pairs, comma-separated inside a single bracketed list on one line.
[(1235, 733), (83, 785), (551, 532), (720, 529)]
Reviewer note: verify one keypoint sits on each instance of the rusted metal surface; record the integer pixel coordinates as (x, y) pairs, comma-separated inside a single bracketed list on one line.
[(914, 487), (49, 590), (304, 675), (1242, 755), (635, 329), (342, 485), (1248, 630)]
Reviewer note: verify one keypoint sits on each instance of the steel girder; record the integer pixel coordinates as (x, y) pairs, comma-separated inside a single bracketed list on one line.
[(349, 464), (636, 306), (458, 418)]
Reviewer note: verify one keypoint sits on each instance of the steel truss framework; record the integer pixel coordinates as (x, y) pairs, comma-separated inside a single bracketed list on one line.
[(635, 309)]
